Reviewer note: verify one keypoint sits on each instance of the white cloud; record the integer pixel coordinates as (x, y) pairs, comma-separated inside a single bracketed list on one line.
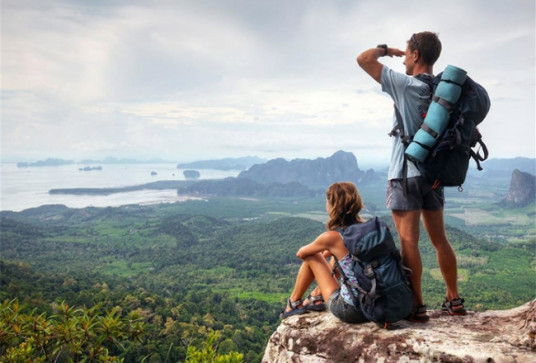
[(212, 78)]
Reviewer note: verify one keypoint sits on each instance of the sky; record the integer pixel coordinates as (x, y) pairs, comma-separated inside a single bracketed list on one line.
[(206, 79)]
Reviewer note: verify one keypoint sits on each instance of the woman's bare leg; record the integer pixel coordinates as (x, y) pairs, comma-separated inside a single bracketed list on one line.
[(314, 267)]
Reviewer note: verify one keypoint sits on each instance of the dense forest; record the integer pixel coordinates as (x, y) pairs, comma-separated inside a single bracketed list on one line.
[(179, 278)]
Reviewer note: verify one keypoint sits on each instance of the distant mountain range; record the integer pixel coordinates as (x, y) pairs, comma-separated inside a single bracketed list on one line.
[(314, 176), (303, 177), (493, 168), (503, 168), (317, 173), (47, 162), (241, 163), (281, 178), (108, 160)]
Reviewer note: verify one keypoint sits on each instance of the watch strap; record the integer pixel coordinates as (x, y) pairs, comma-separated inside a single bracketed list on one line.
[(384, 47)]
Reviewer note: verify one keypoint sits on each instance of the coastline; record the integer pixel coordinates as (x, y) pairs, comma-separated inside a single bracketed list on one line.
[(114, 185), (157, 185)]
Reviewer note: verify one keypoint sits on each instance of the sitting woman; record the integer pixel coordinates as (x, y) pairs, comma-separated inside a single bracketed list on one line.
[(343, 204)]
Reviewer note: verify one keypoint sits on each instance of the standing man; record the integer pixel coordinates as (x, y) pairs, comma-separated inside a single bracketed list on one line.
[(414, 198)]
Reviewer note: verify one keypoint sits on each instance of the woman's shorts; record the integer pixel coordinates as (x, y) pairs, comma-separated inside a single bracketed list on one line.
[(344, 311)]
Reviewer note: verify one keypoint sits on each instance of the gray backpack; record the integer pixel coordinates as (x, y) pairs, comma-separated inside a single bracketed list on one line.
[(384, 293)]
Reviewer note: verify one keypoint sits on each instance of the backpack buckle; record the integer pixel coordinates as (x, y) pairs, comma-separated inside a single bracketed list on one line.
[(369, 272)]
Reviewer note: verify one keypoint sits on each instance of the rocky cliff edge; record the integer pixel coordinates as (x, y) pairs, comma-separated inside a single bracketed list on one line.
[(491, 336)]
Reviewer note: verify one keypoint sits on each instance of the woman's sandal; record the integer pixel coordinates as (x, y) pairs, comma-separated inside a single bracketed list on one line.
[(418, 315), (316, 303), (454, 306), (295, 308)]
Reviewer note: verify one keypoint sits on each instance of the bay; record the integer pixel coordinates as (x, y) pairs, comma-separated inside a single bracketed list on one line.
[(27, 187)]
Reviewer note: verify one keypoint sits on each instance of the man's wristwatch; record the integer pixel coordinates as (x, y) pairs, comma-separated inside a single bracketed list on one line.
[(384, 46)]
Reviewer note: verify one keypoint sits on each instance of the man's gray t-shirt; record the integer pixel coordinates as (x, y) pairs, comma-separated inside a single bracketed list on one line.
[(412, 97)]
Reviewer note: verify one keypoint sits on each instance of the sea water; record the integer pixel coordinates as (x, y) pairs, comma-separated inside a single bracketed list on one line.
[(28, 187)]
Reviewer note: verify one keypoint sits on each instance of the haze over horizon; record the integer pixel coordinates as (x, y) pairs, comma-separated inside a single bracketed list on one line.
[(186, 81)]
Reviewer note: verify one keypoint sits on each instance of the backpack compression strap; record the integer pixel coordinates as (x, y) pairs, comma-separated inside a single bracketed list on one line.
[(476, 155), (365, 297)]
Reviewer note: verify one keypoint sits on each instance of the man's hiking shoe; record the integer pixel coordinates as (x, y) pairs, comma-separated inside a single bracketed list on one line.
[(454, 306), (296, 307), (418, 315), (316, 303)]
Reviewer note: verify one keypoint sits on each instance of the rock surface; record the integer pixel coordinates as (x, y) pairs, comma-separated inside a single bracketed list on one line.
[(492, 336), (522, 189)]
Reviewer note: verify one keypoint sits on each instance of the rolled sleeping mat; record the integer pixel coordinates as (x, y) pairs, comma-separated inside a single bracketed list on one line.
[(454, 74), (446, 89), (437, 117)]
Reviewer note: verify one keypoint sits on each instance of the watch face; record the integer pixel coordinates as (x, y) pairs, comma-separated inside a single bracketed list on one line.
[(384, 46)]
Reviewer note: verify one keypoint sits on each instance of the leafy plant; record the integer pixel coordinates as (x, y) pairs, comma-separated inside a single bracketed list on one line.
[(73, 334), (208, 352)]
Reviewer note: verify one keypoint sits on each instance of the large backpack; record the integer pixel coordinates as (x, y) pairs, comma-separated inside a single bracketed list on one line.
[(384, 293), (447, 160)]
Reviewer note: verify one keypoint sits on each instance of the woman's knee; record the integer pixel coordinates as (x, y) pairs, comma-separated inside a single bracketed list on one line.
[(317, 257)]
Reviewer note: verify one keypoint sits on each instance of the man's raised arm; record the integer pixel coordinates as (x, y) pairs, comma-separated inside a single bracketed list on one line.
[(368, 60)]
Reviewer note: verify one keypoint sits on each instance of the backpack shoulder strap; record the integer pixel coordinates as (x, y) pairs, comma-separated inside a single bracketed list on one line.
[(399, 127), (426, 78)]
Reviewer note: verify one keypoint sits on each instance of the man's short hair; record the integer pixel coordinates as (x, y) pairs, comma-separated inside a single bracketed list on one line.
[(428, 45)]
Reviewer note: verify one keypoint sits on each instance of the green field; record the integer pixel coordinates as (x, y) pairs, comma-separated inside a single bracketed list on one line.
[(228, 264)]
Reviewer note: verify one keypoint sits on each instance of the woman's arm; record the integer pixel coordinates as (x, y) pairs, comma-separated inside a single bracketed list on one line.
[(326, 241)]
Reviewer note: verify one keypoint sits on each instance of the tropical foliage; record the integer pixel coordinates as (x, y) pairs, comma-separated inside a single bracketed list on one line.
[(194, 281)]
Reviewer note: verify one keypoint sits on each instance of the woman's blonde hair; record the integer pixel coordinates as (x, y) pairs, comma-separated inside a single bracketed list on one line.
[(345, 203)]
